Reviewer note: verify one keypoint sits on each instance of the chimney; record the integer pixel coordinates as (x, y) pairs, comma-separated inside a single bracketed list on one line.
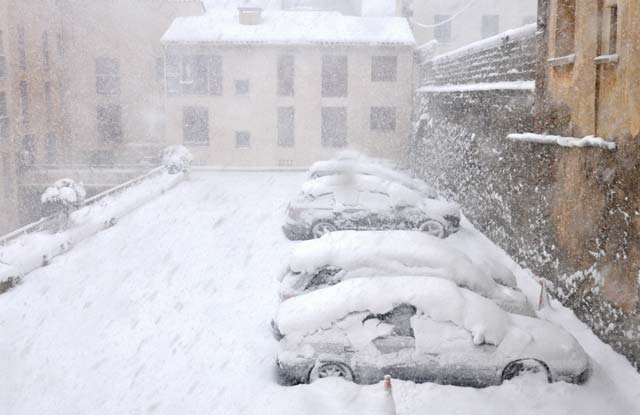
[(249, 15)]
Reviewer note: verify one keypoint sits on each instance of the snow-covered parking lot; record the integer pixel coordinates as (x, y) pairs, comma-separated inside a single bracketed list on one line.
[(168, 313)]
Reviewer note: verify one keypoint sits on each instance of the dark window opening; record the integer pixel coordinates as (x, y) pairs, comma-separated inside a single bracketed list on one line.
[(335, 76), (109, 123), (334, 127), (107, 76), (195, 125), (286, 75), (613, 30), (565, 28), (383, 118), (242, 86), (286, 126), (384, 68), (243, 139)]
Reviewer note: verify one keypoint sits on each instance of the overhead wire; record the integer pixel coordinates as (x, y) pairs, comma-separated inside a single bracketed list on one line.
[(431, 26)]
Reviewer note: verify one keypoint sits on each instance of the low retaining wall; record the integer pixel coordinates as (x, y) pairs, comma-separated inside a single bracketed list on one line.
[(34, 245)]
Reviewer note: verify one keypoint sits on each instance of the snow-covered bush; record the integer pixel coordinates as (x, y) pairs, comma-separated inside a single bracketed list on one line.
[(64, 193), (176, 159)]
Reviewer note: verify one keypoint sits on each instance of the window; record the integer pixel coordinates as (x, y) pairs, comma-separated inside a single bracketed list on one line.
[(612, 42), (334, 127), (107, 76), (45, 50), (565, 28), (159, 69), (24, 101), (384, 68), (47, 100), (3, 59), (442, 32), (195, 125), (490, 25), (52, 148), (399, 318), (60, 44), (109, 123), (286, 75), (383, 118), (193, 74), (28, 150), (215, 75), (4, 117), (334, 76), (242, 86), (286, 126), (22, 57), (172, 75), (243, 139)]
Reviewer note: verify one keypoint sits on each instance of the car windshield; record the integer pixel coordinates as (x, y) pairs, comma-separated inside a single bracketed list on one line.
[(166, 164)]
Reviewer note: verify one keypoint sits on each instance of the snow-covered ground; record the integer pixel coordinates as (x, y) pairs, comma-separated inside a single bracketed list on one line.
[(168, 313)]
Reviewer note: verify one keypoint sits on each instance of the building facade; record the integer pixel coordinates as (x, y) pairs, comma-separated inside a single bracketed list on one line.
[(455, 23), (114, 79), (255, 95), (78, 89), (588, 84), (31, 127)]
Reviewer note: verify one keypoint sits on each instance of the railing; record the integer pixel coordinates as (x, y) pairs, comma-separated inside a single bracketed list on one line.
[(47, 223)]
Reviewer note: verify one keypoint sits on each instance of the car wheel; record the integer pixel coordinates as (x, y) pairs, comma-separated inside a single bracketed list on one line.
[(524, 367), (322, 228), (330, 370), (432, 227)]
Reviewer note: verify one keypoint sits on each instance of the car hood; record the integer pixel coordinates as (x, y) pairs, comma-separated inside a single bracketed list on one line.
[(535, 338)]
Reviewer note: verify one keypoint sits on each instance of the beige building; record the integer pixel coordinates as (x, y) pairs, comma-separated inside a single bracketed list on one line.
[(456, 23), (31, 126), (269, 91), (113, 79)]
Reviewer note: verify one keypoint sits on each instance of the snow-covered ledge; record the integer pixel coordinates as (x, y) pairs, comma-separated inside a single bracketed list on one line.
[(589, 141)]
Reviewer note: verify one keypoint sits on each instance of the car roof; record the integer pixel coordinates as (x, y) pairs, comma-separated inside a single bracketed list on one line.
[(333, 167), (393, 253), (439, 299), (360, 182)]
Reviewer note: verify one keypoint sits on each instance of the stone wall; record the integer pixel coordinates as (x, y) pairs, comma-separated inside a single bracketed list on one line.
[(570, 215)]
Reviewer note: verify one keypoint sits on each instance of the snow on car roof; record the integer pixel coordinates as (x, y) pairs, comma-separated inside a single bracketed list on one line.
[(360, 182), (393, 252), (371, 168), (439, 299), (290, 27)]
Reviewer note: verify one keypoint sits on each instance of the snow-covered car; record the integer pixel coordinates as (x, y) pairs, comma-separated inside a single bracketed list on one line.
[(367, 167), (418, 329), (343, 255), (364, 202)]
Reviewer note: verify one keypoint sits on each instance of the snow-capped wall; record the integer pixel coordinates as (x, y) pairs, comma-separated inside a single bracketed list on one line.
[(507, 57)]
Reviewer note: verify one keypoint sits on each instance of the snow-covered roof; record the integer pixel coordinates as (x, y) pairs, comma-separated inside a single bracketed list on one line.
[(234, 4), (439, 299), (290, 27)]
